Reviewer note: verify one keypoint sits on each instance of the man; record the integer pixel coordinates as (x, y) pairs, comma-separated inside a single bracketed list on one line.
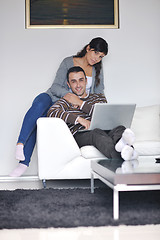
[(76, 110)]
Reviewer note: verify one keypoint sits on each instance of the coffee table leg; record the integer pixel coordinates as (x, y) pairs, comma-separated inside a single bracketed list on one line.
[(92, 183), (115, 204)]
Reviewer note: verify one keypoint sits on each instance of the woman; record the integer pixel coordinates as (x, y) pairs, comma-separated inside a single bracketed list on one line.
[(89, 58)]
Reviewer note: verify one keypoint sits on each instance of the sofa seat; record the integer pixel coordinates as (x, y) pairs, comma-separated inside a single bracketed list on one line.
[(91, 152), (147, 148)]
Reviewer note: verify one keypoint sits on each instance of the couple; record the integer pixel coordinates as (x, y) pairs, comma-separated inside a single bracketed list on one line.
[(90, 59), (76, 110)]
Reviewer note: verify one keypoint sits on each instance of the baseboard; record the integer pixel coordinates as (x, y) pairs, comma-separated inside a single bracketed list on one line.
[(24, 182), (33, 182)]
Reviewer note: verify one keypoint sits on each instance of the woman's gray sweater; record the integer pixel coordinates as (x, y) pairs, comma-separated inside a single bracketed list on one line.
[(59, 87)]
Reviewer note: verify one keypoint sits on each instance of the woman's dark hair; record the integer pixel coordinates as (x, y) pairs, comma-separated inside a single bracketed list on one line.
[(99, 45)]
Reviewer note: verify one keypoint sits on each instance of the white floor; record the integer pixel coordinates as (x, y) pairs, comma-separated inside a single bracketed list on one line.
[(147, 232)]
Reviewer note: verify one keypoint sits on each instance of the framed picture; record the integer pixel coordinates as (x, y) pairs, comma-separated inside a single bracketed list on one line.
[(72, 14)]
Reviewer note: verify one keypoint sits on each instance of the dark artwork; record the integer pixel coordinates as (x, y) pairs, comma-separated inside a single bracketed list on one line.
[(72, 12)]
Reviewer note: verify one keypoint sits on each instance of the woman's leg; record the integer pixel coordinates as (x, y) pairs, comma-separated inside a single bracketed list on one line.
[(38, 109), (28, 149), (28, 132)]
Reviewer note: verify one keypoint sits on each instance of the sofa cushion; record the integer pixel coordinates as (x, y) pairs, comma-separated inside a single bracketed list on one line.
[(91, 152), (147, 148), (146, 123)]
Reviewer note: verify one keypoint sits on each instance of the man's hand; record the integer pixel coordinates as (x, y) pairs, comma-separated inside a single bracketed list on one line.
[(73, 99), (84, 122)]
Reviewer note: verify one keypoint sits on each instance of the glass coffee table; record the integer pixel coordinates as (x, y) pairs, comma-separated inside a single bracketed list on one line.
[(126, 176)]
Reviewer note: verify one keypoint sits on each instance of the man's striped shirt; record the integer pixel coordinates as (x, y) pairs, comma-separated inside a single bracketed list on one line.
[(66, 111)]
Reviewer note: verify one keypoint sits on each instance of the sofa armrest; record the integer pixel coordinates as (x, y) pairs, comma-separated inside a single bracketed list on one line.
[(55, 145)]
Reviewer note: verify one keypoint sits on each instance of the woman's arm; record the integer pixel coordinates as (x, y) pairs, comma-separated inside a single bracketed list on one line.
[(59, 87)]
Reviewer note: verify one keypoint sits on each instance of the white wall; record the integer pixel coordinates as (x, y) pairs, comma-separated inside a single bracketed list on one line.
[(29, 59)]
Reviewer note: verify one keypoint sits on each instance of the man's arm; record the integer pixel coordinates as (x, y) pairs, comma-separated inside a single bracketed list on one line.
[(88, 105), (61, 110), (84, 122)]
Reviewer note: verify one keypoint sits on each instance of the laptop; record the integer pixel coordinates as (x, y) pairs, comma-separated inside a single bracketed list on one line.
[(107, 116)]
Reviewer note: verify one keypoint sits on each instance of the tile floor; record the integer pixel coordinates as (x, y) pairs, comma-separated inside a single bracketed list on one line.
[(148, 232)]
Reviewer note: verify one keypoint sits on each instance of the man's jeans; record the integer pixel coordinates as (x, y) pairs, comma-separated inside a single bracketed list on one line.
[(104, 141)]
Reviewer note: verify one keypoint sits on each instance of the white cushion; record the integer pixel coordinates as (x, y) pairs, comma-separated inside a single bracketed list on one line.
[(147, 159), (149, 148), (146, 123), (91, 152)]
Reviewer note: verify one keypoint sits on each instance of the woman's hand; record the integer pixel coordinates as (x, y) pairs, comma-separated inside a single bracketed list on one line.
[(73, 99), (84, 122)]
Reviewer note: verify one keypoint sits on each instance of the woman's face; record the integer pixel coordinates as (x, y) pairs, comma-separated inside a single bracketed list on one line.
[(93, 56)]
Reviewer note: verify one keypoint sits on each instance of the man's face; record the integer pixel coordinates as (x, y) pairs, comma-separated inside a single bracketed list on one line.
[(77, 83)]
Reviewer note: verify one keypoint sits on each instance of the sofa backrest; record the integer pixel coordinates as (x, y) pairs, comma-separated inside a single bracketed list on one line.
[(146, 123)]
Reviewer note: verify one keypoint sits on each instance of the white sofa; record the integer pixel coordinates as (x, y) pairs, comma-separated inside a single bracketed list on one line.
[(59, 156)]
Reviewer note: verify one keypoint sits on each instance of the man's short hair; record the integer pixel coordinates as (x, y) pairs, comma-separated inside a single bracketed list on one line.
[(75, 69)]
